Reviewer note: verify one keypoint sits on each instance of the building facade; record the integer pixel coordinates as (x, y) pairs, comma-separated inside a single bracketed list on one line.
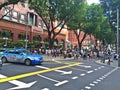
[(23, 24)]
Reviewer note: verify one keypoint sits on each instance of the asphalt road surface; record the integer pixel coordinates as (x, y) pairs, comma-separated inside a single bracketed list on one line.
[(60, 75)]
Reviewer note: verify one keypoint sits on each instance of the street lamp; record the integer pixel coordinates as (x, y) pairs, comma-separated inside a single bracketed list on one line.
[(5, 38), (118, 36), (117, 44), (26, 34)]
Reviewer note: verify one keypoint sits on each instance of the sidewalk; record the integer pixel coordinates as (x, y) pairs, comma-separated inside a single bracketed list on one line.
[(113, 63), (50, 58)]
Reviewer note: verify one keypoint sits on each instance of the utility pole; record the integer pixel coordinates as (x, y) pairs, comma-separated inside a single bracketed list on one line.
[(26, 34), (117, 30), (118, 35)]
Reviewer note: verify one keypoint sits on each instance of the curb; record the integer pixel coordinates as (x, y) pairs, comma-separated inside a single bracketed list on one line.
[(99, 61)]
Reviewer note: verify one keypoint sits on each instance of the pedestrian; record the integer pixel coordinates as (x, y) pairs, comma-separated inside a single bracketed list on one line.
[(108, 60)]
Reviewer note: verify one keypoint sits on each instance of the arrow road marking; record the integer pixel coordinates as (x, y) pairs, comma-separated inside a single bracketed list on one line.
[(63, 72), (36, 72), (19, 84)]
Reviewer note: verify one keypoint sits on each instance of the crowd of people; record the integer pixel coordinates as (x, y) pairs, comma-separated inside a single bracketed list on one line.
[(76, 53)]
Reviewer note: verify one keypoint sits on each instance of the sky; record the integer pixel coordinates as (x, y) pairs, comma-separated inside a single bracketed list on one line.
[(92, 1)]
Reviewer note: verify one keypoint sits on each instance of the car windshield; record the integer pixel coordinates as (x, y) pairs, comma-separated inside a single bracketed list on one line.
[(26, 52), (1, 50)]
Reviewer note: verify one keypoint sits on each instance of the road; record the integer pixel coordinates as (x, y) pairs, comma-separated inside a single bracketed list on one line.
[(60, 75)]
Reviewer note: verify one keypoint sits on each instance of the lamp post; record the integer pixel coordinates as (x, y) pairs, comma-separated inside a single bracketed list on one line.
[(5, 38), (26, 34), (118, 36), (117, 30)]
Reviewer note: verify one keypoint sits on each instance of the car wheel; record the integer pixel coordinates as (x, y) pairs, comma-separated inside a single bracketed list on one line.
[(28, 62), (4, 59)]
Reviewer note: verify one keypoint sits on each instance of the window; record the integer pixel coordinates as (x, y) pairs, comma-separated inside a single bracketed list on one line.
[(7, 14), (22, 36), (22, 18), (15, 14), (21, 21), (31, 18), (14, 19), (6, 17), (44, 27), (40, 24)]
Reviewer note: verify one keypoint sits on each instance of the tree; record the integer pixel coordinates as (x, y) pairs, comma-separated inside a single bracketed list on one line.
[(86, 20), (9, 2), (105, 33), (110, 10), (51, 11)]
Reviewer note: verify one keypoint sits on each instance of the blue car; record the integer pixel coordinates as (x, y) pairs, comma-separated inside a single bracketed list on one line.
[(21, 56)]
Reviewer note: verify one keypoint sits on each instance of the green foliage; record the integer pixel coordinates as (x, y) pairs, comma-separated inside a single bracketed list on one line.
[(8, 2), (105, 32), (87, 19), (15, 44), (54, 10), (93, 18), (51, 10)]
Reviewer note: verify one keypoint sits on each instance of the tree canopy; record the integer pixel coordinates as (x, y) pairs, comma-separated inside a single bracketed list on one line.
[(8, 2), (87, 19), (54, 10)]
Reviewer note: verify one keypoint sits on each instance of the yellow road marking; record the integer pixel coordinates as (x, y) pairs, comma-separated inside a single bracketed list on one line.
[(64, 62), (35, 73)]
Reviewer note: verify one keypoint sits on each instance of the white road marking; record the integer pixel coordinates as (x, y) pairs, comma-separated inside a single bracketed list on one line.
[(91, 84), (78, 69), (109, 73), (19, 84), (48, 78), (82, 74), (90, 71), (74, 77), (6, 63), (61, 83), (95, 82), (87, 87), (101, 78), (99, 67), (98, 80), (61, 71), (58, 83), (85, 66), (95, 69), (45, 89), (102, 66)]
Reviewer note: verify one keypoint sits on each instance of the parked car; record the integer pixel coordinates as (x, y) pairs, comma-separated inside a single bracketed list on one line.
[(21, 56), (1, 51), (0, 64)]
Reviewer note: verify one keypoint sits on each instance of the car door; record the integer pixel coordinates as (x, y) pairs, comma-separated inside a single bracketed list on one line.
[(11, 56), (19, 57)]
